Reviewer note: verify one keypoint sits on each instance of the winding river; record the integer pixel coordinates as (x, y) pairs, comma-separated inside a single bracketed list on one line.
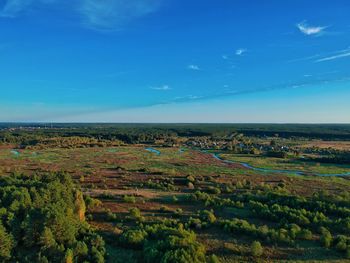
[(264, 170)]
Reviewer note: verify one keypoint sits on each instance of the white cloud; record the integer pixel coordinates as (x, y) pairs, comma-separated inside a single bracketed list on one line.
[(310, 30), (113, 14), (193, 67), (342, 55), (94, 14), (225, 57), (164, 87), (186, 98), (241, 51)]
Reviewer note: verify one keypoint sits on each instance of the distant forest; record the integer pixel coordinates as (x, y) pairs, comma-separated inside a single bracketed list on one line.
[(129, 133)]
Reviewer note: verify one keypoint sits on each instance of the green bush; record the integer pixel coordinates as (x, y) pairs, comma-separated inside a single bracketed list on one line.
[(6, 244), (213, 259), (341, 243), (133, 238), (194, 223), (135, 214), (326, 237), (208, 216), (256, 249), (129, 199), (305, 234), (172, 244), (214, 190)]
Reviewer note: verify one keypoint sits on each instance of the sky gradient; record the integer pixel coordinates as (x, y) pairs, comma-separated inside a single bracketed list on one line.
[(175, 61)]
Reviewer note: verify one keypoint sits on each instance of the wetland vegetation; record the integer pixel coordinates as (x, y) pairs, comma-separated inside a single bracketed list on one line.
[(155, 193)]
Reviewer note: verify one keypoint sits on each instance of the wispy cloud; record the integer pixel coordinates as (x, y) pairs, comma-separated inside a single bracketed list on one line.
[(193, 67), (240, 51), (325, 56), (95, 14), (113, 14), (233, 92), (310, 30), (304, 59), (341, 55), (164, 87), (225, 57), (184, 99), (12, 8)]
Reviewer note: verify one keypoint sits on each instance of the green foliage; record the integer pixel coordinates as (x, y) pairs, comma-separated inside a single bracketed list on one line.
[(214, 190), (326, 237), (167, 242), (195, 223), (305, 234), (208, 216), (6, 244), (46, 214), (167, 185), (256, 249), (68, 257), (213, 259), (241, 226), (129, 199), (110, 215), (133, 238), (215, 201), (341, 243), (172, 244), (92, 203), (135, 214)]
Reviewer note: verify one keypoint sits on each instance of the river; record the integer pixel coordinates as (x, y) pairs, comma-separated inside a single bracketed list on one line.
[(264, 170), (269, 170)]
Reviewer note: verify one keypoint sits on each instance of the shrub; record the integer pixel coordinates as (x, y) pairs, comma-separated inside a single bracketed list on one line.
[(305, 234), (133, 238), (178, 212), (111, 216), (208, 216), (214, 190), (6, 243), (194, 223), (341, 243), (129, 199), (92, 203), (256, 249), (172, 244), (326, 238), (213, 259)]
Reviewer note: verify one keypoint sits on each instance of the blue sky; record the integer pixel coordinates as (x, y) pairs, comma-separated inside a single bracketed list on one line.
[(175, 61)]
